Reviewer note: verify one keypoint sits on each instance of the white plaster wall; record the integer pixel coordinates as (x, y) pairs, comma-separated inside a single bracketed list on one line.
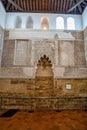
[(2, 15), (84, 17), (11, 17)]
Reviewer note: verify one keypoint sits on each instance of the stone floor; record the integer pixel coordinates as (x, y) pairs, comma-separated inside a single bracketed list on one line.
[(45, 120)]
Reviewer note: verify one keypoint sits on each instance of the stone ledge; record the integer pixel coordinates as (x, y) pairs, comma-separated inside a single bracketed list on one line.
[(29, 72)]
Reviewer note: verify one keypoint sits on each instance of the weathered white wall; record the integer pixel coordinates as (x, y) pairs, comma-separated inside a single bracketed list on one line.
[(1, 43), (2, 26), (84, 17), (11, 17), (2, 16)]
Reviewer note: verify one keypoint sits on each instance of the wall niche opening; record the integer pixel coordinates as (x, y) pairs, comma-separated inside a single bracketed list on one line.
[(44, 67), (45, 23), (44, 82)]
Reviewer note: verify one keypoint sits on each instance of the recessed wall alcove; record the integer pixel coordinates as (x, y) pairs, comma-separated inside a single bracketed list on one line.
[(45, 23), (44, 67), (44, 81)]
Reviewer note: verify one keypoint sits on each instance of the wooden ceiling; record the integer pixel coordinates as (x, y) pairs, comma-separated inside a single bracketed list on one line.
[(45, 6)]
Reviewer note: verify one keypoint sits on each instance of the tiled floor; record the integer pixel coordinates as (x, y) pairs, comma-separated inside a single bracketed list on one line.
[(45, 120)]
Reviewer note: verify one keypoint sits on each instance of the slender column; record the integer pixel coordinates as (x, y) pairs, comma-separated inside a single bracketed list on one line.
[(32, 53), (0, 48), (56, 50), (85, 44), (1, 43)]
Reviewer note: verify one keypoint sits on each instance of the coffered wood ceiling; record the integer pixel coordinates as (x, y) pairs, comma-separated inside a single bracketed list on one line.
[(45, 6)]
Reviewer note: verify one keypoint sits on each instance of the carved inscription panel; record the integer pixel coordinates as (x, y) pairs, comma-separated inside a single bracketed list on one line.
[(44, 47)]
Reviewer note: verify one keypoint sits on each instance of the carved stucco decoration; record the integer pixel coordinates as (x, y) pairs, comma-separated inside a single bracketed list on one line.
[(44, 67), (1, 30), (6, 34), (56, 37), (44, 62), (78, 35), (85, 33), (44, 47)]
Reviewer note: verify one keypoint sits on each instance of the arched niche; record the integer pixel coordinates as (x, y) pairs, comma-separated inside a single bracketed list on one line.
[(70, 23), (29, 23), (45, 23), (18, 22), (44, 67), (59, 23)]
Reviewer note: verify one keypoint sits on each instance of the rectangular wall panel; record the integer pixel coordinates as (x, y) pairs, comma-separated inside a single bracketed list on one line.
[(20, 57)]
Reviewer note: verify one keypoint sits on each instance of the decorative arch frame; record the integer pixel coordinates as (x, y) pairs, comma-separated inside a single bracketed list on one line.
[(44, 67), (18, 22), (29, 23), (44, 23), (70, 23), (59, 23)]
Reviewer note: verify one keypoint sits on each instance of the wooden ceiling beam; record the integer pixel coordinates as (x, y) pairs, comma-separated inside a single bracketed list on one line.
[(64, 3), (37, 5), (55, 5), (61, 5), (21, 4), (40, 4), (58, 4), (46, 5), (15, 5), (27, 5), (85, 3), (18, 2), (80, 9), (30, 4), (49, 5), (33, 4), (67, 4), (52, 2), (77, 4), (71, 3), (8, 5)]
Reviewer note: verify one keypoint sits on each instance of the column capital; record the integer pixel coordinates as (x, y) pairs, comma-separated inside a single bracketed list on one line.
[(56, 37)]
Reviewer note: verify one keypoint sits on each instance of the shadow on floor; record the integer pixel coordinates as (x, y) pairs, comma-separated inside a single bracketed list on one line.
[(9, 113)]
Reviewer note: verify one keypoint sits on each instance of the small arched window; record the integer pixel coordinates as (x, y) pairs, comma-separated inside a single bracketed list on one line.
[(29, 22), (70, 23), (18, 22), (59, 23), (45, 23)]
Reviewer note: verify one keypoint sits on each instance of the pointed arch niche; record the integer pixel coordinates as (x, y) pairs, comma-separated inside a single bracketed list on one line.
[(44, 23), (18, 22), (29, 23), (70, 23), (59, 23), (44, 81), (44, 67)]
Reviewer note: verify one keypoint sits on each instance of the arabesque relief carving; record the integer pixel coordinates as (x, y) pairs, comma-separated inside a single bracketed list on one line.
[(44, 67)]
